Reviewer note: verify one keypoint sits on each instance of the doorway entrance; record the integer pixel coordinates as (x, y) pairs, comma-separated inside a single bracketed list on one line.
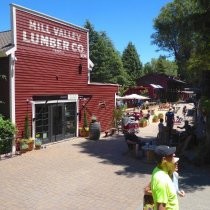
[(54, 122)]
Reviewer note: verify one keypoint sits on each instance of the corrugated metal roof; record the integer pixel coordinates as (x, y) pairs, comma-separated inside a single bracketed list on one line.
[(156, 86), (5, 41)]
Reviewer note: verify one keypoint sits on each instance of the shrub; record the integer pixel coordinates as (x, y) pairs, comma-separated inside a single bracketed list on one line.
[(7, 128)]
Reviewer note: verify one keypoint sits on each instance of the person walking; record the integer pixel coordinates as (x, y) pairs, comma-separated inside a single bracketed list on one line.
[(163, 190), (169, 119), (161, 139)]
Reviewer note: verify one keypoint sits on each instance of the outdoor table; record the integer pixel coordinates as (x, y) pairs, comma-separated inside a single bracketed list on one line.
[(150, 152)]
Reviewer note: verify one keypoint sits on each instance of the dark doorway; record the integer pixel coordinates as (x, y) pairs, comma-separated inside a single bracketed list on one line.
[(55, 122)]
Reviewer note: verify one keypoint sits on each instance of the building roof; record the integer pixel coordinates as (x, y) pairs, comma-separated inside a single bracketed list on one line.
[(5, 42), (156, 86)]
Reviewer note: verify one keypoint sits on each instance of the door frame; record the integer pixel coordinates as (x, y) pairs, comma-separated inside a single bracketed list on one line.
[(72, 98)]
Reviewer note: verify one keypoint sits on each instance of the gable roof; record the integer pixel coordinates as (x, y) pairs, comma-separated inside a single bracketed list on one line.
[(5, 43)]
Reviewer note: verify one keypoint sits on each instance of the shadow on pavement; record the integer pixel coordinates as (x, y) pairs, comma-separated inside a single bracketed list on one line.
[(113, 150), (194, 178)]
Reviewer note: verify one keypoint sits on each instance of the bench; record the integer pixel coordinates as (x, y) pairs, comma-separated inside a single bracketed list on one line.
[(110, 132)]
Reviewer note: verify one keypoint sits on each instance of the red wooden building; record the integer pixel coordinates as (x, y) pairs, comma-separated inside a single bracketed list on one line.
[(47, 65), (161, 86)]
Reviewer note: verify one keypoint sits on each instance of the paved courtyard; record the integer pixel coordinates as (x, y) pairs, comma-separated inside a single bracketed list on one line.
[(80, 174)]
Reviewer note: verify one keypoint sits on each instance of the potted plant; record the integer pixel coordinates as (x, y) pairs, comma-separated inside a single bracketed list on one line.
[(84, 131), (23, 145), (155, 118), (38, 143), (160, 116), (117, 116), (143, 122), (27, 142)]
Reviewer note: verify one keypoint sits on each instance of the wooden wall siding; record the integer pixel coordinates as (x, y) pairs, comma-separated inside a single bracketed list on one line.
[(4, 87), (41, 71), (100, 94), (153, 79)]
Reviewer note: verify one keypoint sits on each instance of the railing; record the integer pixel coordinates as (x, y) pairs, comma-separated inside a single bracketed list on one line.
[(5, 146)]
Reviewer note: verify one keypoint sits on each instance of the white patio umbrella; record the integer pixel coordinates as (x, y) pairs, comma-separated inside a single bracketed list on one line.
[(135, 96)]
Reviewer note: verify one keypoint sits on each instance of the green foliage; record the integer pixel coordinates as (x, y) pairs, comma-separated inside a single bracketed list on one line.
[(7, 128), (117, 115), (6, 145), (142, 120), (27, 132), (155, 117), (160, 116), (108, 67), (161, 65), (182, 29), (205, 105), (131, 63), (24, 146), (172, 31), (38, 142)]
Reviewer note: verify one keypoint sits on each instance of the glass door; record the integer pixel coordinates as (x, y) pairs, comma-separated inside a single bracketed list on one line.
[(42, 123), (57, 122), (70, 119)]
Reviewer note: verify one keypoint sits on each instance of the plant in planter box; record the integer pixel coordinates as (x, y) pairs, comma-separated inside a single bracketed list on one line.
[(29, 142), (27, 139), (155, 118), (84, 131), (38, 143), (23, 145), (143, 122), (160, 116)]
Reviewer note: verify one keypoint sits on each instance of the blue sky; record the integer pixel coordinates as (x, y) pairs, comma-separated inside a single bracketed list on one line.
[(124, 21)]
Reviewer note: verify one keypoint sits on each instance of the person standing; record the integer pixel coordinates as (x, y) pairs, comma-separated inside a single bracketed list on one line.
[(133, 141), (163, 190), (169, 118), (184, 111), (175, 177), (161, 139)]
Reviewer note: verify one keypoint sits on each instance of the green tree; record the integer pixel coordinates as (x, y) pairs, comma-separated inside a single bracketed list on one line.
[(161, 65), (172, 32), (199, 22), (108, 66), (148, 68), (132, 63)]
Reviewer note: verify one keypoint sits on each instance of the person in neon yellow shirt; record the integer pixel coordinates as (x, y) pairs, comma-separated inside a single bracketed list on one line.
[(163, 190)]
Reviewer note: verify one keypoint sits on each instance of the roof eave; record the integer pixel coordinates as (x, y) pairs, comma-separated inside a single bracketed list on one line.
[(8, 52)]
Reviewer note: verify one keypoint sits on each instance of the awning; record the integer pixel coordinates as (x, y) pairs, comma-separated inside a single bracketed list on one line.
[(156, 86)]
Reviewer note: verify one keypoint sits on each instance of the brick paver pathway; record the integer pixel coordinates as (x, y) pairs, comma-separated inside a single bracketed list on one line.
[(80, 174)]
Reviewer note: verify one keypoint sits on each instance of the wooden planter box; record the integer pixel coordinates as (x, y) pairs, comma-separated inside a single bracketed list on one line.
[(30, 146), (154, 120), (143, 124), (160, 116), (37, 146), (83, 132)]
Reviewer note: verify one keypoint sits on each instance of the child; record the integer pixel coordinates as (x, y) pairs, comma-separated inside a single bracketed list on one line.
[(175, 177)]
